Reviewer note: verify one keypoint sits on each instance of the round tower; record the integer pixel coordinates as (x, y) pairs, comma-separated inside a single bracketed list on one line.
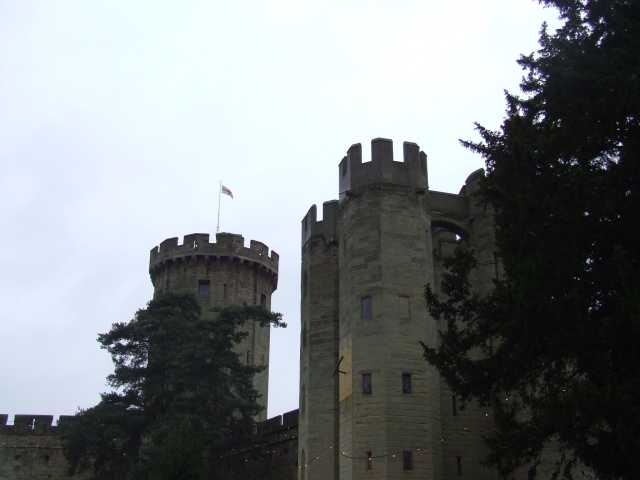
[(222, 273)]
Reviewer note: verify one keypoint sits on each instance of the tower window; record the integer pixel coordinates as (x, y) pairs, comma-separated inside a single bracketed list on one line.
[(407, 460), (406, 383), (263, 300), (225, 293), (454, 406), (304, 283), (404, 308), (303, 334), (369, 460), (367, 387), (365, 308), (459, 466), (203, 288)]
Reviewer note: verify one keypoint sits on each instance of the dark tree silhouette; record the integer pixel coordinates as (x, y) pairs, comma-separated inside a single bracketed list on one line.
[(554, 349)]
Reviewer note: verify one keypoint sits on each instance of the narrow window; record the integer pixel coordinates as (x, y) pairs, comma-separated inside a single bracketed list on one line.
[(365, 304), (404, 309), (454, 406), (459, 466), (249, 357), (407, 460), (304, 283), (303, 333), (406, 383), (369, 460), (263, 300), (225, 293), (367, 387), (203, 288)]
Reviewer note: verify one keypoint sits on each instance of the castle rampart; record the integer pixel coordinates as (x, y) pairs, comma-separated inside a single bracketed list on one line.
[(31, 449), (228, 246), (383, 168), (325, 227)]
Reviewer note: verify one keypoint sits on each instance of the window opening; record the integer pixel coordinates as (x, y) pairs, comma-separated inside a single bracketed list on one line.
[(459, 466), (203, 288), (454, 406), (369, 460), (365, 304), (406, 383), (407, 460), (367, 387), (304, 284), (404, 309)]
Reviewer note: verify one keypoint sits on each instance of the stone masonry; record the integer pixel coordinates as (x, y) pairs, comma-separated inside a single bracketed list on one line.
[(370, 405), (220, 274)]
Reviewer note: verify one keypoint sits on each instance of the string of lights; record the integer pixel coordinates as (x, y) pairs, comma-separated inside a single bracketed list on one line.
[(393, 455)]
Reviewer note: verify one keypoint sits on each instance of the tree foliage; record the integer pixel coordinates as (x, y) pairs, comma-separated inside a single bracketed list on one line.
[(554, 347), (179, 390)]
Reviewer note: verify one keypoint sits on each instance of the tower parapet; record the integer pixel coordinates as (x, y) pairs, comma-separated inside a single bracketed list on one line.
[(326, 227), (412, 172), (226, 246)]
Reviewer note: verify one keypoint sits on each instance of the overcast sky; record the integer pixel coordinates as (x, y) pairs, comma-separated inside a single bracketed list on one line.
[(118, 118)]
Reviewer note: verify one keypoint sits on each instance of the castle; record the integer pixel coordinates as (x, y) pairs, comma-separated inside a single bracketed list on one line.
[(370, 406)]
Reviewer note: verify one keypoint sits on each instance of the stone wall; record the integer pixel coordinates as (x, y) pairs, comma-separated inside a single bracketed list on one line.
[(31, 449), (271, 454)]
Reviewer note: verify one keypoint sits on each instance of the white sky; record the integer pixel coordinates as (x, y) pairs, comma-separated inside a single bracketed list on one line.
[(118, 118)]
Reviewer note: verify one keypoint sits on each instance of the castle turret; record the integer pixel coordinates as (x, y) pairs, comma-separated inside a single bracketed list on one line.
[(371, 406), (222, 273)]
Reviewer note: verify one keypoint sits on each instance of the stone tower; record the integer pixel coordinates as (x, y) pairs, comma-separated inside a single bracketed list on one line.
[(370, 405), (220, 274)]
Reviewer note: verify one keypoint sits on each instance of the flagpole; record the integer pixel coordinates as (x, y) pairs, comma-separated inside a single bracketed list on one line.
[(219, 194)]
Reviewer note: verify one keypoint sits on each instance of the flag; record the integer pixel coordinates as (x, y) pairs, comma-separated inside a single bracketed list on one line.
[(226, 191)]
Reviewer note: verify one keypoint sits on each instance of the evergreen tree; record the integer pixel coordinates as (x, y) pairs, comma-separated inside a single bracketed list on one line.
[(555, 348), (179, 390)]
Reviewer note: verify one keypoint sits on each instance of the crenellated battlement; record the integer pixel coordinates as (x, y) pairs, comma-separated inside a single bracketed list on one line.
[(32, 424), (411, 172), (325, 227), (226, 246)]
